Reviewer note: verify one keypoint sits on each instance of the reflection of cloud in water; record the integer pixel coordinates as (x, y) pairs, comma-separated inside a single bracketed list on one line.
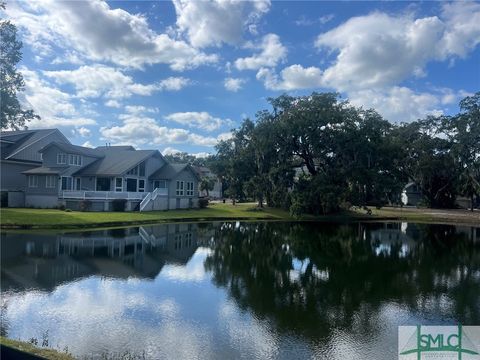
[(97, 315), (193, 271), (248, 335)]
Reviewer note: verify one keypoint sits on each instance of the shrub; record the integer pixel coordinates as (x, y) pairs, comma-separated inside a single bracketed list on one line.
[(61, 207), (68, 210), (85, 205), (202, 203), (119, 204)]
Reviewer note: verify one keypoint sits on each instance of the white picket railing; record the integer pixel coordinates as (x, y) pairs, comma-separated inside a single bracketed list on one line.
[(103, 195), (150, 198)]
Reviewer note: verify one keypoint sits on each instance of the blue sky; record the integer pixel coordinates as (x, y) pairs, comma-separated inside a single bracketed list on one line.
[(180, 75)]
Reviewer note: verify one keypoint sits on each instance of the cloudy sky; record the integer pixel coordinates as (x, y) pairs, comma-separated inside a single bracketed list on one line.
[(179, 75)]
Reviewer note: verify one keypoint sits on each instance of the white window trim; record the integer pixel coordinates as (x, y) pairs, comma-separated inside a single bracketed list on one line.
[(138, 185), (61, 156), (50, 184), (190, 191), (33, 181), (74, 184), (118, 187), (180, 191)]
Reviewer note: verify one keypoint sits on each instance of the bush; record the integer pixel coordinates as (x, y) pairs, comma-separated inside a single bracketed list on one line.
[(119, 204), (85, 205), (61, 207), (202, 203), (68, 210)]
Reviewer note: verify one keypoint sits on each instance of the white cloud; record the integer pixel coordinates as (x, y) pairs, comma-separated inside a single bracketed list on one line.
[(380, 50), (215, 22), (97, 32), (401, 104), (113, 103), (174, 83), (88, 144), (84, 132), (138, 109), (55, 107), (143, 130), (99, 80), (202, 120), (234, 84), (291, 78), (271, 52), (171, 151)]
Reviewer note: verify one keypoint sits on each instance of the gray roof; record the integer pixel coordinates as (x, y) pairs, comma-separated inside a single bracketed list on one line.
[(115, 147), (170, 171), (24, 139), (74, 149), (115, 162), (44, 170)]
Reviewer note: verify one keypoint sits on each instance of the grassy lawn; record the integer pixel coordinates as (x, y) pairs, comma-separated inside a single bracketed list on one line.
[(55, 219), (31, 349)]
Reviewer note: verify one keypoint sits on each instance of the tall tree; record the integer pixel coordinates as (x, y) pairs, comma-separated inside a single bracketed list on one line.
[(11, 81)]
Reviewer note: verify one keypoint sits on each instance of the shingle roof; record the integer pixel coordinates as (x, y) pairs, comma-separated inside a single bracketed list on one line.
[(74, 149), (44, 170), (115, 162), (170, 171), (23, 139)]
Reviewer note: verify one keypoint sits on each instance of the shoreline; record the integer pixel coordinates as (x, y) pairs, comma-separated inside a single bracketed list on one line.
[(48, 219)]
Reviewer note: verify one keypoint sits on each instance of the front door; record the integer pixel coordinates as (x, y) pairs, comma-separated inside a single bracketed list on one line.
[(131, 185)]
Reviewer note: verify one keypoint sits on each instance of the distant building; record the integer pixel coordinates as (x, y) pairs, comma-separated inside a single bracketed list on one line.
[(411, 194), (204, 172)]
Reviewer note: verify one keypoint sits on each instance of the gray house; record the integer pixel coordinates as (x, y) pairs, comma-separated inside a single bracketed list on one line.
[(20, 152), (83, 178)]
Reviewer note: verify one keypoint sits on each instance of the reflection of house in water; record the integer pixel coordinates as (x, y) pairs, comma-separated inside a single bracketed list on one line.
[(45, 261), (394, 235)]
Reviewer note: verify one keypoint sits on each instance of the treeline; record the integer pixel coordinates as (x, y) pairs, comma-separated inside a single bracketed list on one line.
[(317, 154)]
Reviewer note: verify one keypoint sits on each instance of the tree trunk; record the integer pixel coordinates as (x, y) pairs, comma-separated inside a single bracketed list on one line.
[(471, 203)]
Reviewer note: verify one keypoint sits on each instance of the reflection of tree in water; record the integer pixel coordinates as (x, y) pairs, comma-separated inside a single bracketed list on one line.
[(310, 277)]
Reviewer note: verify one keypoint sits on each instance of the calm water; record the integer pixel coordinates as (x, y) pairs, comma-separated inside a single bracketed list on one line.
[(238, 290)]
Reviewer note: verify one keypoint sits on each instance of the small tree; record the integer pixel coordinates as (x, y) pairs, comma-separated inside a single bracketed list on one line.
[(207, 184), (11, 81)]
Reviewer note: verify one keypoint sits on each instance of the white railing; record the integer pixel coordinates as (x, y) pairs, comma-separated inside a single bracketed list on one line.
[(150, 198), (103, 195)]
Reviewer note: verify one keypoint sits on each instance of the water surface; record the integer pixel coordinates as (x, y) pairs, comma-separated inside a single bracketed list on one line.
[(238, 290)]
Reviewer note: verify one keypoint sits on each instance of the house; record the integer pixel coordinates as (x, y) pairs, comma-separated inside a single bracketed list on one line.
[(412, 194), (204, 172), (19, 153), (92, 179)]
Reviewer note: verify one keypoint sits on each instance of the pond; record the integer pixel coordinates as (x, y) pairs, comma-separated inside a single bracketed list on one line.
[(251, 290)]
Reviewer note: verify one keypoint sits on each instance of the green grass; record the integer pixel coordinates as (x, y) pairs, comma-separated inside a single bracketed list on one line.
[(58, 219), (31, 349), (52, 218)]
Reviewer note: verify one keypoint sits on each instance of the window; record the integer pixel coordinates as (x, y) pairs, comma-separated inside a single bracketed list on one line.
[(162, 184), (118, 184), (179, 189), (141, 185), (78, 183), (189, 188), (141, 169), (66, 183), (133, 171), (61, 158), (75, 160), (103, 184), (51, 181), (33, 181)]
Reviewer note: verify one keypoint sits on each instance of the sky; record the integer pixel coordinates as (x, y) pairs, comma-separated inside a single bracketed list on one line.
[(179, 75)]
